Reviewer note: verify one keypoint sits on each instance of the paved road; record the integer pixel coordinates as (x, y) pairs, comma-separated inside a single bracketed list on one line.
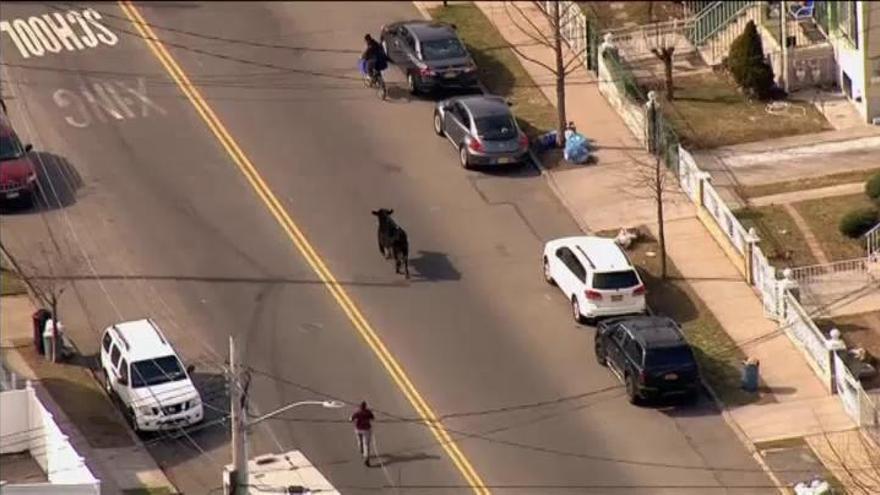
[(154, 205)]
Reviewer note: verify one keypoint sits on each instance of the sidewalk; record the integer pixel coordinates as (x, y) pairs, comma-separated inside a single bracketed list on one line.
[(601, 197), (82, 410)]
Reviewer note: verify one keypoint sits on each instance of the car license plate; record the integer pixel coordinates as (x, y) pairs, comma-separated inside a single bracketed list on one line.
[(617, 298), (503, 159), (670, 376), (450, 75), (12, 195)]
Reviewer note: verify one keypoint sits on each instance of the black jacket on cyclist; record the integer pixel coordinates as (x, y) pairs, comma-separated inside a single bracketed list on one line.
[(375, 56)]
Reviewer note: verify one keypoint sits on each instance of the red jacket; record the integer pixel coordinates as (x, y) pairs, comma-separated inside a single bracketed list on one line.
[(362, 419)]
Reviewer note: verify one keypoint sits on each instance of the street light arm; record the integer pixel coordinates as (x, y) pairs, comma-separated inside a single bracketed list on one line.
[(329, 404)]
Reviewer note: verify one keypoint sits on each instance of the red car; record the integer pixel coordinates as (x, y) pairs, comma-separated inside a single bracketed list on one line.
[(18, 177)]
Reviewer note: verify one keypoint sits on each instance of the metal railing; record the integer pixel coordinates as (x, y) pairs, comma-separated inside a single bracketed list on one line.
[(872, 241), (716, 17), (637, 41), (801, 329), (824, 272)]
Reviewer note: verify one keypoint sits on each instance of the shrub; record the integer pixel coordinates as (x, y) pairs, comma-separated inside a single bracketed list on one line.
[(747, 64), (855, 223), (872, 187)]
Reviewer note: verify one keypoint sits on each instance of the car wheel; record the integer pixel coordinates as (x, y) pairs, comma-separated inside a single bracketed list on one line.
[(132, 420), (547, 276), (631, 393), (463, 157), (600, 355), (576, 310), (438, 124), (412, 84), (385, 47)]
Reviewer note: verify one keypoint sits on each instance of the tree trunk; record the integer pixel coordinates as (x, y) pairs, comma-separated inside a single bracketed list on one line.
[(661, 232), (667, 66), (560, 76)]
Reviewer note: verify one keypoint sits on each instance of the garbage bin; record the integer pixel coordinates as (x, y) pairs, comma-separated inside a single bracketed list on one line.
[(47, 340), (750, 375), (39, 321)]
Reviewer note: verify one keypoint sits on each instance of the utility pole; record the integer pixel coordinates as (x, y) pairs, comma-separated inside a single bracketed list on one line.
[(238, 478), (783, 20)]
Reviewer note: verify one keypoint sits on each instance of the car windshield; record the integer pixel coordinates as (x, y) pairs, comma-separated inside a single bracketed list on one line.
[(494, 127), (442, 49), (669, 356), (156, 371), (615, 280), (10, 148)]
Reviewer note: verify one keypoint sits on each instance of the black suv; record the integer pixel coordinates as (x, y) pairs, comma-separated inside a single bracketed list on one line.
[(429, 54), (650, 355)]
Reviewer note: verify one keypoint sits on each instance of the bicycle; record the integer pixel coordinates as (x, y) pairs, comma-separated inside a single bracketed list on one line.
[(375, 80)]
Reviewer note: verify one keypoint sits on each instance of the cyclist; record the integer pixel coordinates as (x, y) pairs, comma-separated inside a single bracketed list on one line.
[(374, 58)]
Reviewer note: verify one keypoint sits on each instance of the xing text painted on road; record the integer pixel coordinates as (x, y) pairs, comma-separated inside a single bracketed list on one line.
[(101, 101)]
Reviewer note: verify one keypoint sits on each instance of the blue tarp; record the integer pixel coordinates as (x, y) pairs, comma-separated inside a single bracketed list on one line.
[(577, 148)]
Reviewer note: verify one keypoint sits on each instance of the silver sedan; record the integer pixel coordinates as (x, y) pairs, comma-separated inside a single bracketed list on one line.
[(483, 130)]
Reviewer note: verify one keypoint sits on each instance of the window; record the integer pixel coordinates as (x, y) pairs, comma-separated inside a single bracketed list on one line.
[(570, 260), (670, 356), (848, 20), (156, 371), (106, 341), (633, 350), (114, 356), (442, 49), (619, 336), (461, 114), (615, 280), (496, 127), (123, 372), (10, 147)]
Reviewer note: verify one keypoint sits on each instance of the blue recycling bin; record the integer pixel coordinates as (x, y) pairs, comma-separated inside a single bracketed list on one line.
[(750, 375)]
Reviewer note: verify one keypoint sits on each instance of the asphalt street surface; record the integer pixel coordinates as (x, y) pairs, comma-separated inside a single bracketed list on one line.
[(145, 207)]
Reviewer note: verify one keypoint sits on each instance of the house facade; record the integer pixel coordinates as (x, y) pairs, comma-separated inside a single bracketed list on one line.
[(853, 30)]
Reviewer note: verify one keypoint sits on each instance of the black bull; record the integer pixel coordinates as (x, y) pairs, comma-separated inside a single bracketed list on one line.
[(392, 241)]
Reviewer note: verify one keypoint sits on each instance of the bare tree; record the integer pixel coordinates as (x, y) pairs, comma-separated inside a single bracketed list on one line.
[(546, 30), (48, 277), (652, 181), (663, 47)]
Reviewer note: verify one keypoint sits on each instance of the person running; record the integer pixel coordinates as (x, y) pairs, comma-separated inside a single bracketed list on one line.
[(362, 419)]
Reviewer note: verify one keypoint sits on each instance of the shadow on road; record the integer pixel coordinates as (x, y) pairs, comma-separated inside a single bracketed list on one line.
[(383, 460), (434, 266)]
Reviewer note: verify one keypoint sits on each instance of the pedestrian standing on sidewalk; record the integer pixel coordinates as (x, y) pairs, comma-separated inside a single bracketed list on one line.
[(363, 419)]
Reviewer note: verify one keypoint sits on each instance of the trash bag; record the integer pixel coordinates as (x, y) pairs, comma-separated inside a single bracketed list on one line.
[(576, 148), (545, 141)]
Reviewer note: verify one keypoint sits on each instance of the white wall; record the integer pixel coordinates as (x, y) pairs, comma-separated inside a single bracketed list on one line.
[(25, 425), (851, 60)]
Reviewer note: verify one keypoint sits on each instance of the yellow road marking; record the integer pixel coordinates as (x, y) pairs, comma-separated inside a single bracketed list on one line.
[(305, 248)]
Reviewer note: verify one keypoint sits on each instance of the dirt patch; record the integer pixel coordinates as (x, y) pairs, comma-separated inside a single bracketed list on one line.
[(823, 216), (77, 393), (781, 240), (858, 331), (758, 190), (709, 111)]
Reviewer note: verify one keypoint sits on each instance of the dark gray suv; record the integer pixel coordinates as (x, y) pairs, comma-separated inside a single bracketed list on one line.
[(649, 355), (429, 54)]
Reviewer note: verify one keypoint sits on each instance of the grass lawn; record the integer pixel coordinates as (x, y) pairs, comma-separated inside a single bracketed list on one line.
[(807, 183), (10, 283), (709, 112), (614, 15), (498, 67), (781, 240), (823, 215), (718, 356)]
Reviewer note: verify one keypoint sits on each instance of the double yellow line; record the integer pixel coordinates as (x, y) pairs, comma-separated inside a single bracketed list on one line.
[(305, 248)]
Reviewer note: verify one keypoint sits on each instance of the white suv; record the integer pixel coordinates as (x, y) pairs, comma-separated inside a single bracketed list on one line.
[(595, 275), (143, 371)]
